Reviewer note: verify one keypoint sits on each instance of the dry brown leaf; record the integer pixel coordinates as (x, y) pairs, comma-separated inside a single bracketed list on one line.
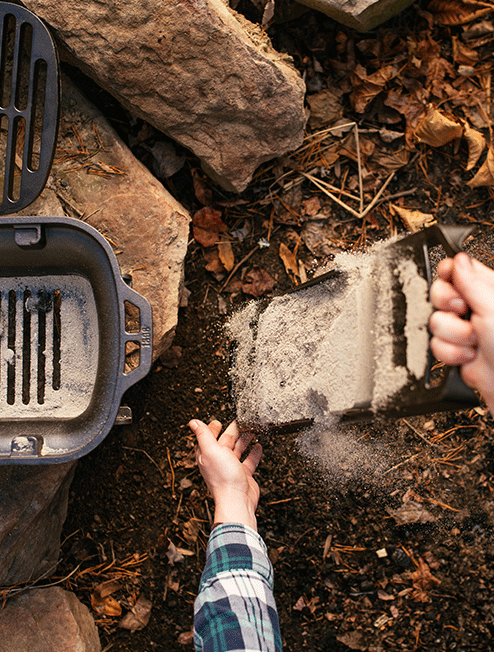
[(485, 176), (366, 87), (289, 259), (138, 617), (202, 191), (226, 254), (207, 225), (257, 282), (354, 640), (325, 109), (476, 144), (268, 13), (462, 54), (102, 601), (413, 220), (174, 554), (411, 512), (437, 129), (191, 530), (423, 580), (186, 638), (457, 12), (213, 262)]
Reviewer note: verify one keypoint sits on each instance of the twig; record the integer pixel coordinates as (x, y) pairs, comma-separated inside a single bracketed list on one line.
[(376, 198), (244, 259), (172, 471), (396, 466), (359, 165), (140, 450), (320, 185), (419, 434)]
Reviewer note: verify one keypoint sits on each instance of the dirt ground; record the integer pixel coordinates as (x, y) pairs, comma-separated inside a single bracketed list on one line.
[(391, 548)]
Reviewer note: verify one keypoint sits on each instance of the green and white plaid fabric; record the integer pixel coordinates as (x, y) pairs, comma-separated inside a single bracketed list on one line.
[(235, 609)]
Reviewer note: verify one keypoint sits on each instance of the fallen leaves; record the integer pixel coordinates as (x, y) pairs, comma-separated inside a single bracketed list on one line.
[(458, 12), (102, 601), (485, 176), (366, 87), (225, 253), (257, 282), (138, 616), (413, 220), (207, 225), (423, 581), (289, 259), (437, 129)]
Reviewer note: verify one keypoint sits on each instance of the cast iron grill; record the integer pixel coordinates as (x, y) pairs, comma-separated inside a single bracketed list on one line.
[(64, 336), (65, 331), (49, 348), (29, 106)]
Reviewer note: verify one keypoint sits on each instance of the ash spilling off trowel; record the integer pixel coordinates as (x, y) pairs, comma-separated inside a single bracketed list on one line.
[(355, 339)]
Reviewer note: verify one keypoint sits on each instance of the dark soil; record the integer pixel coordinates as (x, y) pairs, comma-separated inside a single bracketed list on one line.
[(398, 561)]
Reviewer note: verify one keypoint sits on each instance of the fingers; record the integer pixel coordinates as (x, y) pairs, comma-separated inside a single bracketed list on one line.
[(452, 354), (445, 269), (253, 458), (230, 436), (215, 427), (444, 297), (475, 283), (204, 435), (451, 328)]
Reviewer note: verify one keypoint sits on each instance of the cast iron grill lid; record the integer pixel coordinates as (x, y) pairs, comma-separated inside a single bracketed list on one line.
[(64, 336), (29, 106)]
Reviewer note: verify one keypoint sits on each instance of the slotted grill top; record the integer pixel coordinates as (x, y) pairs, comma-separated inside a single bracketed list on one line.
[(49, 346)]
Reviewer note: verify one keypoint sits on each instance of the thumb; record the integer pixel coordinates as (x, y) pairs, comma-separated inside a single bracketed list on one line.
[(471, 280), (203, 433)]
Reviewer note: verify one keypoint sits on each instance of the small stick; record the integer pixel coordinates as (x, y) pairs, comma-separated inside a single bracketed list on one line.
[(376, 198), (172, 470), (239, 264), (359, 163), (396, 466), (140, 450)]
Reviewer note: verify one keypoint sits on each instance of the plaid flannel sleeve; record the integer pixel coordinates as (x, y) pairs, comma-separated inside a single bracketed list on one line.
[(235, 609)]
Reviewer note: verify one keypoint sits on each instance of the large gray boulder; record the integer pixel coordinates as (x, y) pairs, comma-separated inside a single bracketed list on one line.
[(45, 620), (32, 511), (194, 69)]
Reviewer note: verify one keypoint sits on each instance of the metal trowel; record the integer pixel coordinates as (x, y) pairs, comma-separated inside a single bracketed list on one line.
[(435, 387)]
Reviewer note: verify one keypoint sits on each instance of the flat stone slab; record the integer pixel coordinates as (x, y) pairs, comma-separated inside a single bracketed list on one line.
[(96, 178), (45, 620), (194, 69), (362, 15)]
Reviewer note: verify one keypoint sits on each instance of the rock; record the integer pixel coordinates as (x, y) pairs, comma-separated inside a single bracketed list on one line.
[(102, 182), (44, 620), (32, 512), (325, 109), (194, 69), (362, 15)]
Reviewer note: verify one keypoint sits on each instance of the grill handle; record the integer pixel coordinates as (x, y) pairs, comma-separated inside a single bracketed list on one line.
[(144, 337)]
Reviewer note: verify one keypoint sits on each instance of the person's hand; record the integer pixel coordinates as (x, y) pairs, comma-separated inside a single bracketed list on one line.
[(465, 284), (234, 490)]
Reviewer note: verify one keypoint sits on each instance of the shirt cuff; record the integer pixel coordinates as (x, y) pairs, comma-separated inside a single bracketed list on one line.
[(233, 546)]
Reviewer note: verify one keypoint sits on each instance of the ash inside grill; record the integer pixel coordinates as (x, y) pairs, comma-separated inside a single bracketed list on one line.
[(49, 346)]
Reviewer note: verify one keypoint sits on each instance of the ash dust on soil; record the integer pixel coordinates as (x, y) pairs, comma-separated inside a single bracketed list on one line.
[(383, 544)]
